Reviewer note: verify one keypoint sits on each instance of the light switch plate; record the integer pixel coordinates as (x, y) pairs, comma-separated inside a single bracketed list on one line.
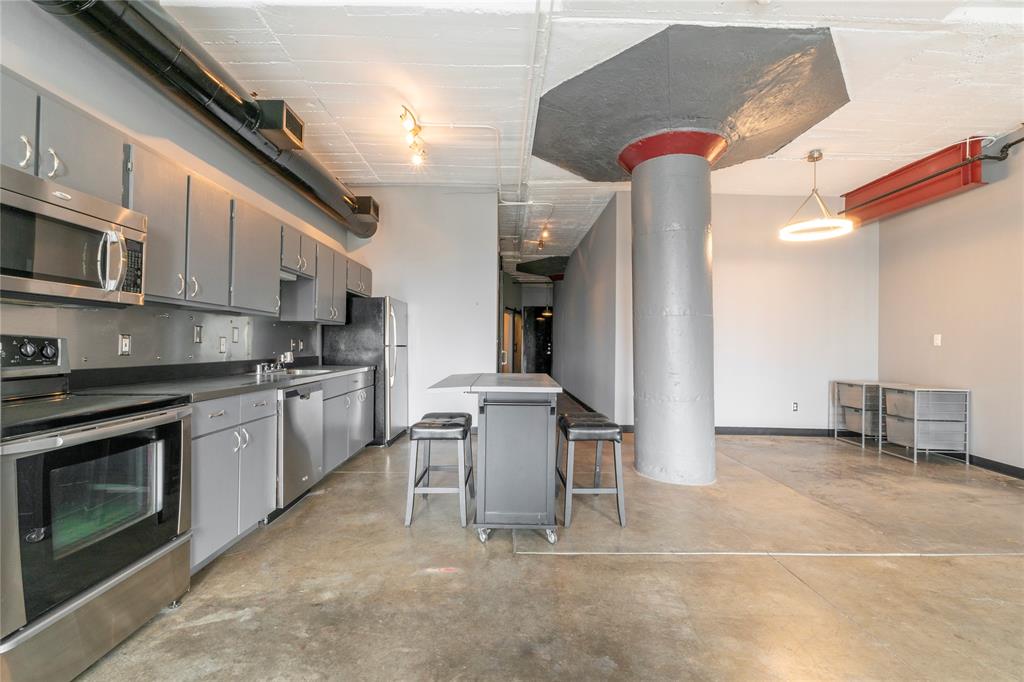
[(223, 344), (197, 333), (234, 335), (124, 344), (936, 340)]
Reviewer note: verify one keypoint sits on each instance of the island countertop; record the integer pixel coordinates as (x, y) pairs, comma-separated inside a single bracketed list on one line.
[(497, 383)]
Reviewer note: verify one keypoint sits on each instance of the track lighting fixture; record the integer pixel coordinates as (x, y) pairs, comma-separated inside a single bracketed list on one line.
[(412, 137)]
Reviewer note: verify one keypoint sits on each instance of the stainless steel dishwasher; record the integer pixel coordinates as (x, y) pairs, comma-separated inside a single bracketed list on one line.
[(300, 448)]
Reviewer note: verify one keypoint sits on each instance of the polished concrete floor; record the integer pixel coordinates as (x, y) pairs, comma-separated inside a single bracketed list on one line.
[(807, 560)]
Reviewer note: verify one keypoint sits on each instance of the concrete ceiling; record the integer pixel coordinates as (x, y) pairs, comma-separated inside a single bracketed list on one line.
[(920, 75)]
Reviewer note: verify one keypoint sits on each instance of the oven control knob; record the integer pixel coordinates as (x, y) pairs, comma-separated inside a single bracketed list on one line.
[(48, 351), (27, 349)]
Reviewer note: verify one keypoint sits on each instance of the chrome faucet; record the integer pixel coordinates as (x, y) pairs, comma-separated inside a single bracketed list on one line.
[(276, 366)]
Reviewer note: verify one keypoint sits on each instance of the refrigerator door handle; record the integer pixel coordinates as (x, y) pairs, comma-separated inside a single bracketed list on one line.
[(394, 345)]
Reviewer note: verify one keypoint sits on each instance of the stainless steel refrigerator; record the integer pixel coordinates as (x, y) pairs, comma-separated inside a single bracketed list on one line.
[(376, 333)]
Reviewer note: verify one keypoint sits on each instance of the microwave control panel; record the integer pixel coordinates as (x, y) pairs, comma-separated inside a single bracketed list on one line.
[(30, 351), (133, 266)]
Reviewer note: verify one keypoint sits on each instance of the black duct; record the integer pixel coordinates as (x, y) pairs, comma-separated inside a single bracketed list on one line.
[(167, 55)]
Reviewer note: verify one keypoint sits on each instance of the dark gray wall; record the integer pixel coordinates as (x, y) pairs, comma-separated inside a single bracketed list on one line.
[(161, 334)]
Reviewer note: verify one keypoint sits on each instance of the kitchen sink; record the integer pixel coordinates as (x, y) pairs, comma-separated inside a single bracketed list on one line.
[(294, 373)]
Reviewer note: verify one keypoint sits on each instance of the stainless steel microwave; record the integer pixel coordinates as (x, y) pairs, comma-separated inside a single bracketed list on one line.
[(62, 243)]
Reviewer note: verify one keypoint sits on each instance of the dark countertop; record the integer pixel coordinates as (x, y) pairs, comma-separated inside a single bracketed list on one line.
[(198, 389)]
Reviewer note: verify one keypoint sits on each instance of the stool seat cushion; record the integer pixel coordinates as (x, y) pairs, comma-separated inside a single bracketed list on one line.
[(448, 415), (445, 427), (589, 426)]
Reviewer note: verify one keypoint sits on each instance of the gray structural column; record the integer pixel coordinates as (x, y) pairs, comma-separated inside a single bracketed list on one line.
[(673, 324)]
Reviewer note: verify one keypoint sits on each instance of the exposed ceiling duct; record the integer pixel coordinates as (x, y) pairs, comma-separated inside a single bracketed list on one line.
[(161, 50)]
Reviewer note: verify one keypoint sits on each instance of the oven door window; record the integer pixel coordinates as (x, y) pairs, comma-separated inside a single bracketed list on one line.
[(86, 512), (43, 248)]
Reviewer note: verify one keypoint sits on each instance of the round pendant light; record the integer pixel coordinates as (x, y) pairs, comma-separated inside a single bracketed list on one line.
[(827, 226)]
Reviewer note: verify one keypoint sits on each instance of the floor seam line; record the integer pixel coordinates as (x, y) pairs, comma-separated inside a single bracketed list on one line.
[(772, 554)]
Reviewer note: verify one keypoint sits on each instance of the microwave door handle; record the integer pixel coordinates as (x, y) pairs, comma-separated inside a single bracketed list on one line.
[(115, 238)]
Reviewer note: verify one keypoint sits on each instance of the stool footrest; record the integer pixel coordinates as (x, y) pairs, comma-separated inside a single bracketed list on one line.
[(427, 489), (594, 491)]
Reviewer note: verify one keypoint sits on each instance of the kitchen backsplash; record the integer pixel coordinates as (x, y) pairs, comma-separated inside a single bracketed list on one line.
[(160, 334)]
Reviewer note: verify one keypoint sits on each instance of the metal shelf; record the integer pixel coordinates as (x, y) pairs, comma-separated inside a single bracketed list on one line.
[(855, 408), (924, 419)]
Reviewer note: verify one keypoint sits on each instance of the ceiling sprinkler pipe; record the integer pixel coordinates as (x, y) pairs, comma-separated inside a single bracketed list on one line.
[(150, 40)]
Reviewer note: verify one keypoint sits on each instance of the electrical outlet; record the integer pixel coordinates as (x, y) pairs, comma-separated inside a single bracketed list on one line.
[(936, 340), (124, 344), (234, 335), (796, 407), (197, 333), (223, 344)]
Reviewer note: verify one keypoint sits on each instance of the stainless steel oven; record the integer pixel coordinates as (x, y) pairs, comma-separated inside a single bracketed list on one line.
[(61, 243), (95, 513)]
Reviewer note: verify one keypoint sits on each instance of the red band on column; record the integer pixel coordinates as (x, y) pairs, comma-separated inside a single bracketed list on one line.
[(696, 142)]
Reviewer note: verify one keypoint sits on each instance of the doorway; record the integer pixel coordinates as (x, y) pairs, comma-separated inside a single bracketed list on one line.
[(511, 360)]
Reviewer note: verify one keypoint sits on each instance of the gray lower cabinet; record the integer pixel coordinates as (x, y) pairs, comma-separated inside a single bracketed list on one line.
[(255, 283), (234, 470), (348, 420), (336, 431), (257, 473), (159, 188), (18, 108), (209, 242), (214, 493), (360, 420), (78, 151)]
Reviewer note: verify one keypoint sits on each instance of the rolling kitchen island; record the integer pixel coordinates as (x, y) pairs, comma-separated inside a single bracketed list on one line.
[(515, 483)]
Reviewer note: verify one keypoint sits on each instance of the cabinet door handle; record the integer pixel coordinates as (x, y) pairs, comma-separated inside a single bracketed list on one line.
[(262, 403), (28, 152), (238, 441), (56, 163), (181, 287), (218, 413), (348, 401), (195, 286), (247, 438), (304, 263), (298, 262), (277, 308)]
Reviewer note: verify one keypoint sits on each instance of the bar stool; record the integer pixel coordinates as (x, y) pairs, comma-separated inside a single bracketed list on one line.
[(440, 426), (590, 426)]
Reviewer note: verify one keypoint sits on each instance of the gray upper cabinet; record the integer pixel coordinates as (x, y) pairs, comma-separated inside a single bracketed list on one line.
[(78, 151), (159, 188), (209, 242), (255, 262), (340, 277), (325, 310), (291, 248), (360, 279), (298, 252), (18, 108)]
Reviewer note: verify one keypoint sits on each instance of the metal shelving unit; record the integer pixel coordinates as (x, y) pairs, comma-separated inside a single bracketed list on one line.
[(928, 419), (855, 408)]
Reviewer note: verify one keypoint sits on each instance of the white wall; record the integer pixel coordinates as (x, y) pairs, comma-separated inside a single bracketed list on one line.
[(788, 317), (584, 323), (39, 47), (436, 249), (956, 268)]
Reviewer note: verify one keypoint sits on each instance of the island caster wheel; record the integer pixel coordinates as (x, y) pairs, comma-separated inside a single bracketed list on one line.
[(551, 535), (483, 534)]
